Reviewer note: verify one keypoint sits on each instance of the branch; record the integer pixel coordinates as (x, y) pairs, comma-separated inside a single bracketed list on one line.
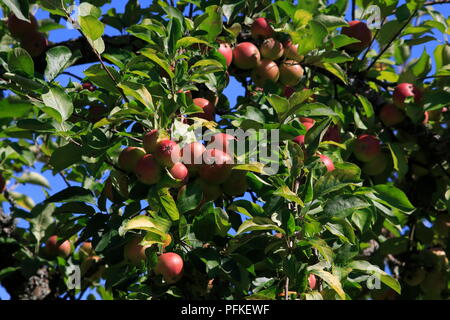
[(432, 3)]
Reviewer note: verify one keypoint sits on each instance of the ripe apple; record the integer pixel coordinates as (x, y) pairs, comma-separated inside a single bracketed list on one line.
[(332, 134), (167, 153), (236, 184), (152, 138), (88, 86), (366, 147), (261, 29), (54, 248), (217, 166), (221, 141), (246, 56), (390, 115), (192, 156), (21, 28), (96, 113), (267, 70), (86, 250), (377, 165), (308, 123), (291, 72), (179, 171), (208, 109), (359, 30), (404, 90), (327, 162), (129, 157), (312, 281), (271, 49), (2, 184), (226, 50), (35, 43), (288, 91), (170, 266), (92, 269), (134, 252), (291, 51), (148, 170)]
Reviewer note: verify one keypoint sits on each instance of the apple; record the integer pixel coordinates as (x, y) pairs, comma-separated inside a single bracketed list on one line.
[(152, 138), (170, 266), (2, 184), (21, 28), (117, 195), (96, 113), (88, 86), (129, 157), (217, 166), (246, 56), (221, 141), (148, 170), (267, 70), (192, 156), (208, 109), (288, 91), (86, 250), (179, 171), (35, 44), (291, 72), (327, 162), (377, 165), (261, 29), (291, 51), (226, 50), (236, 184), (54, 248), (332, 134), (405, 90), (312, 281), (366, 147), (167, 153), (271, 49), (359, 30), (134, 252), (91, 268), (390, 115), (308, 123)]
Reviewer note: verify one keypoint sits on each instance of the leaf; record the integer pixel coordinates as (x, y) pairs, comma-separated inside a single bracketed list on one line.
[(58, 59), (212, 24), (341, 40), (41, 219), (336, 70), (422, 66), (34, 178), (168, 204), (393, 197), (188, 41), (323, 249), (258, 223), (59, 101), (19, 60), (91, 26), (98, 76), (151, 54), (399, 159), (344, 205), (73, 194), (368, 108), (289, 195), (65, 156), (14, 108), (331, 280), (315, 109), (156, 225), (189, 197), (374, 270), (330, 22)]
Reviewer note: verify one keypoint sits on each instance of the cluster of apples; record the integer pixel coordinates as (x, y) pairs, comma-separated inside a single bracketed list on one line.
[(27, 32), (271, 61)]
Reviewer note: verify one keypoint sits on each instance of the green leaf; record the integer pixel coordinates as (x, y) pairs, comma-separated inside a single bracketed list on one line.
[(168, 204), (14, 108), (58, 59), (65, 156), (341, 40), (156, 225), (188, 41), (91, 26), (323, 249), (315, 109), (212, 24), (151, 54), (376, 271), (34, 178), (368, 108), (331, 280), (344, 205), (343, 230), (399, 159), (19, 60), (330, 22), (98, 76), (189, 197), (258, 223), (59, 101), (423, 66), (73, 194), (393, 197), (41, 219), (289, 195)]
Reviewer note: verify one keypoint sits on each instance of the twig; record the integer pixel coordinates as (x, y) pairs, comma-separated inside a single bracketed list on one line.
[(65, 180), (72, 75), (286, 289), (353, 9)]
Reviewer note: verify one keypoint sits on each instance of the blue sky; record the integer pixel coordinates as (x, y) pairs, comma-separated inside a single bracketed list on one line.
[(233, 90)]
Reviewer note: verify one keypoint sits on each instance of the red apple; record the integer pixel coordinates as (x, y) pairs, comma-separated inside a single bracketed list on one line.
[(152, 138), (271, 49), (291, 51), (91, 268), (332, 134), (134, 252), (192, 155), (86, 250), (129, 157), (246, 56), (291, 72), (308, 123), (236, 184), (327, 162), (88, 86), (35, 43), (167, 153), (208, 109), (404, 90), (96, 113), (221, 141), (390, 115), (288, 91), (54, 248), (179, 171), (148, 170), (170, 266), (216, 167), (359, 30), (261, 29), (312, 281), (226, 50), (377, 165), (21, 28), (366, 147), (267, 70)]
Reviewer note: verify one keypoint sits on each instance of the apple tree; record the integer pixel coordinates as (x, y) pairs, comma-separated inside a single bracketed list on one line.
[(341, 187)]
